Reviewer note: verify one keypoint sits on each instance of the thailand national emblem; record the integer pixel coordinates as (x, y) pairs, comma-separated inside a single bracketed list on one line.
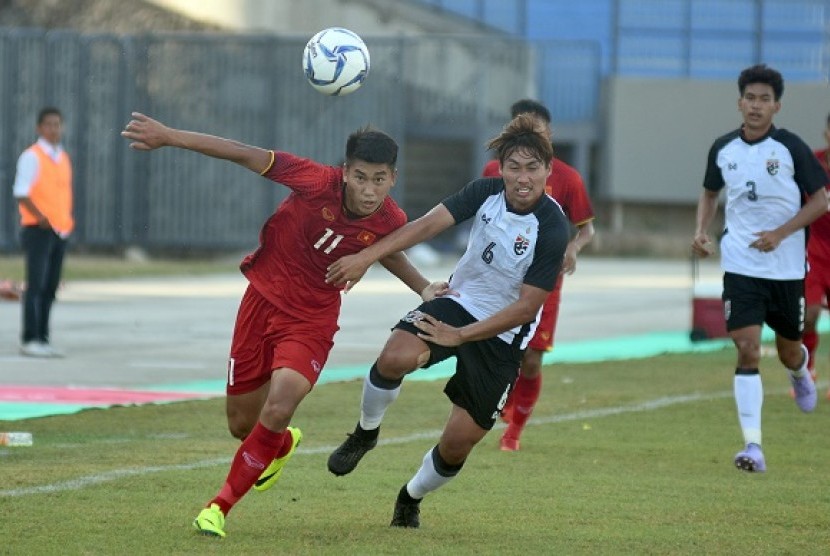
[(772, 166), (520, 245)]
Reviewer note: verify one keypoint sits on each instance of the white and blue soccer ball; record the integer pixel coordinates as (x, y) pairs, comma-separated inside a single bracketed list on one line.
[(336, 61)]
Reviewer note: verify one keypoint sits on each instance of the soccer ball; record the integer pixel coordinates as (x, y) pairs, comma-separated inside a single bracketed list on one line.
[(336, 61)]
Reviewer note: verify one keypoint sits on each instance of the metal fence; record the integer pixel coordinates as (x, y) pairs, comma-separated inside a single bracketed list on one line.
[(250, 88)]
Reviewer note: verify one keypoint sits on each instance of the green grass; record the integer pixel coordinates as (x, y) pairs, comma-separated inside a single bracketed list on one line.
[(91, 267), (616, 461)]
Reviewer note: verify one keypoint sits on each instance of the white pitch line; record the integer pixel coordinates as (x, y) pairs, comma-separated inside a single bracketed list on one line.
[(114, 475)]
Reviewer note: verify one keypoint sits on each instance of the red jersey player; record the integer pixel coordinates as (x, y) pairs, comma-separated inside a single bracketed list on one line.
[(817, 282), (288, 315), (565, 185)]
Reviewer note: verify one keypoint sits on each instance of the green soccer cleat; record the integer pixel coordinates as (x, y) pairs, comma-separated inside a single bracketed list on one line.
[(210, 522), (272, 473)]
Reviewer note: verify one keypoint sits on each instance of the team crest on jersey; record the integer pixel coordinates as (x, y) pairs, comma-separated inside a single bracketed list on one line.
[(328, 215), (367, 238), (772, 166), (520, 245)]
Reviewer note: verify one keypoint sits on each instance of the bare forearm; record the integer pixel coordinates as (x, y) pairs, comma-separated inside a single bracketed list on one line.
[(253, 158), (707, 207), (399, 265), (431, 224), (510, 317), (584, 235), (147, 134), (813, 209)]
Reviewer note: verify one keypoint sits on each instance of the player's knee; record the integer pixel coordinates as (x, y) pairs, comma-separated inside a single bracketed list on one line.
[(394, 364), (791, 357), (276, 416), (239, 428), (748, 346)]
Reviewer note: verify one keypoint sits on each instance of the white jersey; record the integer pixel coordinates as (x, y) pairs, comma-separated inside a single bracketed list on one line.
[(505, 250), (767, 182)]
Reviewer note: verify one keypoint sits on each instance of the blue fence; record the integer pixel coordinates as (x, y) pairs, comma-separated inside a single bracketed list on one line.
[(697, 39)]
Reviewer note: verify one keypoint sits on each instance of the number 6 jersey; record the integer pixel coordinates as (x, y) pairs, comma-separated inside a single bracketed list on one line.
[(506, 249)]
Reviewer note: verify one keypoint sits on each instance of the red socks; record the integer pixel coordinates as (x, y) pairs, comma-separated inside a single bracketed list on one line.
[(810, 341), (524, 398), (255, 453)]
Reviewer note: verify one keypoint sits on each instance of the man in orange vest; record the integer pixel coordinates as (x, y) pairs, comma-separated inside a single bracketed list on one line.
[(43, 189)]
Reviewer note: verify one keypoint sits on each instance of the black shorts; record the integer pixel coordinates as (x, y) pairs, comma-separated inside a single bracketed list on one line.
[(485, 370), (751, 301)]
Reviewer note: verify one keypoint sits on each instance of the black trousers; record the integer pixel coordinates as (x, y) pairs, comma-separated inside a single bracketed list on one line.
[(44, 250)]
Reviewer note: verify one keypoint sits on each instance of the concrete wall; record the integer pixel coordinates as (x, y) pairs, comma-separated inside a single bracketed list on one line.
[(655, 137), (370, 17), (657, 133)]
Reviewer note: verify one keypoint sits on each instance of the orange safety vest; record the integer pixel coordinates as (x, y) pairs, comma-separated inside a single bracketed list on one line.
[(51, 192)]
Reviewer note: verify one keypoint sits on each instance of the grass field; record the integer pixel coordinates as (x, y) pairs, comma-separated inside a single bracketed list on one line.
[(621, 458)]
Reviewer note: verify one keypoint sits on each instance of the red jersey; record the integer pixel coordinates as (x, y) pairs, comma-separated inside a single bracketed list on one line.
[(308, 232), (563, 184), (818, 247)]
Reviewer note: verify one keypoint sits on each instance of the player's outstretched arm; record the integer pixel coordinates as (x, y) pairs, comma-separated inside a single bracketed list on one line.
[(147, 134), (351, 268)]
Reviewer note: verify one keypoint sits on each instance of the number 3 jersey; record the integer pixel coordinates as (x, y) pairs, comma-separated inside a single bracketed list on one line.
[(767, 181), (506, 249), (307, 233)]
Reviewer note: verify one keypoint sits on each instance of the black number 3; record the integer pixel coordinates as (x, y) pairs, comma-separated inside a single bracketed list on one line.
[(752, 195)]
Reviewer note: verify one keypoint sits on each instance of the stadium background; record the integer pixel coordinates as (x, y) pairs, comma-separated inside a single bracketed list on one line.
[(638, 90)]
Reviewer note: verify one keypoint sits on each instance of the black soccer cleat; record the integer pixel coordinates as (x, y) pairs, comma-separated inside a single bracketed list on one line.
[(406, 515), (345, 458)]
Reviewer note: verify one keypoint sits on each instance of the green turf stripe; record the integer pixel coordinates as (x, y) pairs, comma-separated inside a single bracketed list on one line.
[(590, 351)]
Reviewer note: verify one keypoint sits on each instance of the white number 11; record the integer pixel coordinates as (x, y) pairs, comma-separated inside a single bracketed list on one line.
[(325, 238)]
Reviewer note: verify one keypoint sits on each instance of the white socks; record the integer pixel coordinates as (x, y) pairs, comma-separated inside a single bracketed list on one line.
[(749, 397), (427, 478), (374, 403)]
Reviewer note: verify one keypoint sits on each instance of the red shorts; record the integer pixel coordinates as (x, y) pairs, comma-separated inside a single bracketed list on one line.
[(543, 337), (817, 284), (265, 338)]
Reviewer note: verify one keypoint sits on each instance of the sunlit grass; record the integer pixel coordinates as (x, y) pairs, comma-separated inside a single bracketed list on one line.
[(621, 458)]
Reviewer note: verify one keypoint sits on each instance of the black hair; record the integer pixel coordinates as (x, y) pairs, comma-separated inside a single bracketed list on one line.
[(371, 145), (48, 111), (529, 106), (761, 73), (522, 133)]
